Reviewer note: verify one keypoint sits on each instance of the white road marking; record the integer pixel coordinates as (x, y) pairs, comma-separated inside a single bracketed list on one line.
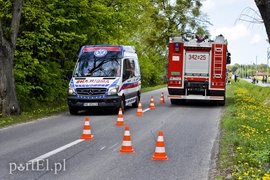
[(113, 145), (44, 156), (147, 109)]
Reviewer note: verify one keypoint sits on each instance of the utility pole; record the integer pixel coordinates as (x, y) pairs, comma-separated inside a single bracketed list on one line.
[(251, 74), (268, 57), (256, 68)]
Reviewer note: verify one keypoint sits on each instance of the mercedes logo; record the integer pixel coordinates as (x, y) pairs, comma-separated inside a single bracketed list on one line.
[(91, 92)]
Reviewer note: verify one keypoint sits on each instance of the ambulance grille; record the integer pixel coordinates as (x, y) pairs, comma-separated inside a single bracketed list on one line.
[(91, 91)]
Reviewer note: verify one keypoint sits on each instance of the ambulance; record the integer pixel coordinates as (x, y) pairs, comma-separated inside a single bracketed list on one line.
[(105, 77)]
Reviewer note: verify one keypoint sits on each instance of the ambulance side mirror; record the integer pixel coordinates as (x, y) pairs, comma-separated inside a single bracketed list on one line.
[(69, 74)]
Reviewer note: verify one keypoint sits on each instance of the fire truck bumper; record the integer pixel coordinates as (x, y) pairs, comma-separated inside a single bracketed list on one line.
[(197, 97)]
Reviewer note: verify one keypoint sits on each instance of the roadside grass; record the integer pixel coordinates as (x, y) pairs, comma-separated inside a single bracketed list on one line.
[(245, 133), (42, 111), (151, 88), (39, 112)]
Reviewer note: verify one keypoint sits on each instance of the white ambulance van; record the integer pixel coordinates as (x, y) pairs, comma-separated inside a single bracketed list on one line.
[(105, 76)]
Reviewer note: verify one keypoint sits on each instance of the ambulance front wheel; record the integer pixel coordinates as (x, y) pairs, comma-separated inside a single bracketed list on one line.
[(123, 105), (136, 103), (73, 111)]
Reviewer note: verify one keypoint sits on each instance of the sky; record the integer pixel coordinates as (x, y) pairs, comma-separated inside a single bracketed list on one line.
[(247, 42)]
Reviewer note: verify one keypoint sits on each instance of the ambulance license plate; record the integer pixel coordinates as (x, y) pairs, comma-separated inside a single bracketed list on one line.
[(90, 104)]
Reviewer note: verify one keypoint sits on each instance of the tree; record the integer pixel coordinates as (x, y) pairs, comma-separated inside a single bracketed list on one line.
[(164, 19), (9, 28), (264, 8), (51, 33), (252, 16)]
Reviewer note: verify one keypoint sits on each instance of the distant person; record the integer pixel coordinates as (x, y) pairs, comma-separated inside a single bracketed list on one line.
[(235, 78), (264, 80), (230, 77), (253, 80)]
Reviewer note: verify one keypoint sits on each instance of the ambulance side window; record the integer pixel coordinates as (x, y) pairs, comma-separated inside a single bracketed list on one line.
[(126, 69), (132, 68), (137, 68)]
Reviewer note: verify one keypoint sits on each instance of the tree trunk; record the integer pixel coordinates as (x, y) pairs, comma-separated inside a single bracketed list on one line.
[(264, 8), (8, 98)]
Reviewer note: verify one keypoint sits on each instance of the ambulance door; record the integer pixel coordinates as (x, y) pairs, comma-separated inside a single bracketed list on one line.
[(126, 78)]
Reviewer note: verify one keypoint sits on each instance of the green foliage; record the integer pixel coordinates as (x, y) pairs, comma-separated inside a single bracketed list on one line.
[(51, 32)]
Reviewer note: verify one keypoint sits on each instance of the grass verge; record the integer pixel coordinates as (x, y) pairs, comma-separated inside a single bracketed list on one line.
[(245, 137), (35, 114)]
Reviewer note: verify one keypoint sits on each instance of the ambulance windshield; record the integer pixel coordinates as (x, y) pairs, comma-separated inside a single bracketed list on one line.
[(89, 65)]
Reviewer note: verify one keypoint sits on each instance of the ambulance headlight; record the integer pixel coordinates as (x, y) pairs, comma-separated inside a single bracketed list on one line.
[(113, 90), (71, 91)]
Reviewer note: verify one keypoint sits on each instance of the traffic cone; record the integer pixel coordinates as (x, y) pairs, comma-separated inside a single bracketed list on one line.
[(139, 110), (120, 118), (162, 101), (126, 145), (160, 153), (152, 104), (86, 135)]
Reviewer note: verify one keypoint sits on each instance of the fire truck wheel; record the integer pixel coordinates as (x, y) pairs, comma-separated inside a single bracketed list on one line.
[(173, 101), (221, 103)]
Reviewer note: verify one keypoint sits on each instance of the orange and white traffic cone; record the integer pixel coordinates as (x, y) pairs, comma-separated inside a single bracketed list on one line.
[(139, 110), (160, 153), (86, 135), (126, 145), (120, 118), (152, 103), (162, 98)]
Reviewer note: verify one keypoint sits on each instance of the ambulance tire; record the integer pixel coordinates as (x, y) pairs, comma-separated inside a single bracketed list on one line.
[(122, 106), (136, 103), (73, 111)]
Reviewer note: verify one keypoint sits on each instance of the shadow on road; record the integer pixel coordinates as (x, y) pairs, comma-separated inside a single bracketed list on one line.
[(197, 103), (100, 112)]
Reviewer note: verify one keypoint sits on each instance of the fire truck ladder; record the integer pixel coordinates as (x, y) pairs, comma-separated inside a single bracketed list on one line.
[(218, 61)]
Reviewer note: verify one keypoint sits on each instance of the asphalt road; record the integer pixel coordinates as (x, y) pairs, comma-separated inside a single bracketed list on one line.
[(190, 134)]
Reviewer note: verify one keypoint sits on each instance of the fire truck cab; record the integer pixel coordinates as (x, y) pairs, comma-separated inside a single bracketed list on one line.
[(197, 69)]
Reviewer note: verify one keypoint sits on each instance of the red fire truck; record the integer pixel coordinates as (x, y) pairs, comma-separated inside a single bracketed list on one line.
[(197, 69)]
